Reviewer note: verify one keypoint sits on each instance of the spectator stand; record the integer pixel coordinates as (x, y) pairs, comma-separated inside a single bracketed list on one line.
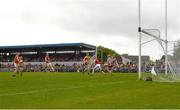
[(64, 54)]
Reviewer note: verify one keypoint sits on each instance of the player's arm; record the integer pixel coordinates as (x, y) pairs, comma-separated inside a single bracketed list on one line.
[(84, 59), (94, 61), (45, 59), (18, 59)]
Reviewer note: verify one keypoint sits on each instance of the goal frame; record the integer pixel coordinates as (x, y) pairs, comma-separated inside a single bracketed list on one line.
[(141, 30)]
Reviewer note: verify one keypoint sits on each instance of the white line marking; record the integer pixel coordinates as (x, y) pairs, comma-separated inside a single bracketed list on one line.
[(52, 89)]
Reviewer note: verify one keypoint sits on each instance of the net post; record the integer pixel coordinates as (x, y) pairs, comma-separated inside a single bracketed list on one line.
[(139, 30), (139, 58), (166, 58), (166, 41)]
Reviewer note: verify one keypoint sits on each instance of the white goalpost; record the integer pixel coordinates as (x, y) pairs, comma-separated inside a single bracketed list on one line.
[(169, 68)]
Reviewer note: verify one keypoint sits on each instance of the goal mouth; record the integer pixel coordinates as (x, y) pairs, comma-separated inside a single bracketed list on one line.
[(153, 43)]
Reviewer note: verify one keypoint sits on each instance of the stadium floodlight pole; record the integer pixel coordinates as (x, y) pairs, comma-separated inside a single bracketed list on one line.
[(166, 43), (139, 30)]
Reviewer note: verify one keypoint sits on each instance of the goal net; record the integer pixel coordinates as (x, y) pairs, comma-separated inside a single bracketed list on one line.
[(158, 68)]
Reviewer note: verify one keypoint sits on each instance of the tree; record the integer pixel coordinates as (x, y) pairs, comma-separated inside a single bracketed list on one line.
[(106, 51)]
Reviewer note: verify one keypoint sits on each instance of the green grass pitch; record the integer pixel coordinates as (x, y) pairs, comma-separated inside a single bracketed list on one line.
[(74, 90)]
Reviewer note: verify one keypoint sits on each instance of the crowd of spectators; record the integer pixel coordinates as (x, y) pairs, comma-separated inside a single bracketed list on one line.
[(40, 57), (130, 68), (42, 67), (159, 67), (127, 68)]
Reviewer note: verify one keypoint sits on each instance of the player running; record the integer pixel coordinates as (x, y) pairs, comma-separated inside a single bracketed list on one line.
[(86, 67), (21, 65), (48, 62), (111, 63), (16, 62), (97, 66), (115, 62)]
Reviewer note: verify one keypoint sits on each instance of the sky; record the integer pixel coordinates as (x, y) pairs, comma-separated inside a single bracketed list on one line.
[(109, 23)]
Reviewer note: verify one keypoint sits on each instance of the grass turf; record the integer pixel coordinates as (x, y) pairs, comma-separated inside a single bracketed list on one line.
[(74, 90)]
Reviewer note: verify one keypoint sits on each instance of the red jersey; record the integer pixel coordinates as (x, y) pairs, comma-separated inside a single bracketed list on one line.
[(16, 59), (97, 61), (47, 59)]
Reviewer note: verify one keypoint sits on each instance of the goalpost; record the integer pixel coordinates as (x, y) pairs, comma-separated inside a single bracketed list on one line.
[(171, 70)]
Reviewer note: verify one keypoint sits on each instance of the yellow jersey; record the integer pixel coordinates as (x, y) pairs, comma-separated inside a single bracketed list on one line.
[(86, 59)]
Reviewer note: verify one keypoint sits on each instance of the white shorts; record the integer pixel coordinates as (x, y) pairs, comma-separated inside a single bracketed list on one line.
[(49, 64), (15, 65), (98, 66)]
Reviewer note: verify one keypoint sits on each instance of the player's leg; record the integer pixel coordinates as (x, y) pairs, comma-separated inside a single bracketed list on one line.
[(51, 67), (48, 67), (15, 70), (94, 68), (100, 68), (89, 68), (21, 69), (83, 68), (110, 70)]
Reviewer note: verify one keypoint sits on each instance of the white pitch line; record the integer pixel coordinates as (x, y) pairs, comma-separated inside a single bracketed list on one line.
[(52, 89)]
